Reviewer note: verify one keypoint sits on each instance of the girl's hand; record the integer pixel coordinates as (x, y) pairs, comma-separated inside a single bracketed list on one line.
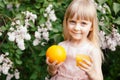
[(52, 67), (88, 67)]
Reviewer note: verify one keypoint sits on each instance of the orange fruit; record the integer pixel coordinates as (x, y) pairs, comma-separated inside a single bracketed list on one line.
[(56, 53), (81, 57)]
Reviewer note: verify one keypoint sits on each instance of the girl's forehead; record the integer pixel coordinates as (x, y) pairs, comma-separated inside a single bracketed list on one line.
[(79, 17)]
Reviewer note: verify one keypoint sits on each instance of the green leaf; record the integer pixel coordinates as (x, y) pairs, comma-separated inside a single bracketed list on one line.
[(39, 1), (37, 6), (3, 28), (19, 51), (2, 4), (42, 53), (57, 37), (19, 16), (117, 21), (33, 76), (17, 56), (18, 61), (101, 1), (6, 1), (31, 23), (42, 20), (116, 7), (55, 30), (42, 10)]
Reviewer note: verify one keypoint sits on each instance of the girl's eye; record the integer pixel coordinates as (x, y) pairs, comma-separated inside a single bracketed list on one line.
[(72, 22), (83, 23)]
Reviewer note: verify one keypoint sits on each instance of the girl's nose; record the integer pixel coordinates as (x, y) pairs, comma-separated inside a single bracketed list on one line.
[(77, 27)]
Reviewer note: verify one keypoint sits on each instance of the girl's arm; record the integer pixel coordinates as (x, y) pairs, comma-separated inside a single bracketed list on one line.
[(93, 69), (97, 65), (52, 67)]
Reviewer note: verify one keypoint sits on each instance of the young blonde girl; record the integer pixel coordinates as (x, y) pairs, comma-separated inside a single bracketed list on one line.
[(81, 37)]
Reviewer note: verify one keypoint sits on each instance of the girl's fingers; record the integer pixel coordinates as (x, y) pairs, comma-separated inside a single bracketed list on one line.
[(54, 63), (47, 60), (86, 65), (84, 69), (59, 64), (87, 62), (83, 65)]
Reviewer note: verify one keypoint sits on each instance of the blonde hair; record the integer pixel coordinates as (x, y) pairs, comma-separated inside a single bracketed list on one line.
[(84, 9)]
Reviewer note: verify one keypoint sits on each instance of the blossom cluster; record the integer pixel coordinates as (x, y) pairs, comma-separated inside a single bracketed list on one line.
[(6, 65), (103, 8), (110, 41), (18, 32), (0, 32), (44, 28)]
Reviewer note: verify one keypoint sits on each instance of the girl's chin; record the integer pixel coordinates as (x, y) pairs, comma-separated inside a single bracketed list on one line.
[(76, 38)]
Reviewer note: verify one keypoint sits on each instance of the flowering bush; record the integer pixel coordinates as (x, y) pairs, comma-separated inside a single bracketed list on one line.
[(25, 33), (6, 66), (109, 24), (29, 27)]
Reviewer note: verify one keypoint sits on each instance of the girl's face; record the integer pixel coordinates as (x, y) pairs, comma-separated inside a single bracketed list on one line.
[(78, 29)]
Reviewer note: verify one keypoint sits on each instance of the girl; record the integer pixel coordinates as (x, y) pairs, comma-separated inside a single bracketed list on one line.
[(81, 36)]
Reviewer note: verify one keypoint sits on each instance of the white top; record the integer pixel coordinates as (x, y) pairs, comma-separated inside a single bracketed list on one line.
[(68, 70)]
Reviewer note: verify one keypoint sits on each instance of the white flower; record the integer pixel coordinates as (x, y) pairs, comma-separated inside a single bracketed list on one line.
[(27, 13), (45, 14), (11, 29), (46, 78), (49, 25), (44, 29), (10, 6), (27, 23), (34, 16), (7, 53), (37, 35), (50, 5), (5, 68), (1, 58), (17, 5), (0, 34), (52, 15), (0, 70), (42, 25), (17, 74), (11, 36), (112, 48), (39, 29), (30, 16), (20, 44), (45, 35), (23, 30), (36, 42), (27, 36), (43, 43), (9, 76), (13, 23), (48, 9), (17, 22)]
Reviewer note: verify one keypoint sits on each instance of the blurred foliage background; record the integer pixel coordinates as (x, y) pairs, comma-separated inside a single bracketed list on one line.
[(30, 61)]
